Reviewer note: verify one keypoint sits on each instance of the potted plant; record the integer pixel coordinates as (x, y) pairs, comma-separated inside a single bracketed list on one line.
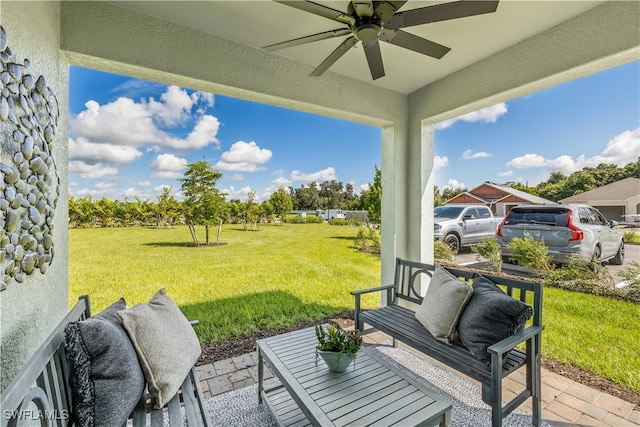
[(336, 347)]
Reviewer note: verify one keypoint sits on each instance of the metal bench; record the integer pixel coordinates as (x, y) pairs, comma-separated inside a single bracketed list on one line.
[(41, 390), (399, 322)]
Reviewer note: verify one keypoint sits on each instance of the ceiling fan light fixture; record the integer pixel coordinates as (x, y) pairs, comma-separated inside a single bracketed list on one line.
[(366, 32)]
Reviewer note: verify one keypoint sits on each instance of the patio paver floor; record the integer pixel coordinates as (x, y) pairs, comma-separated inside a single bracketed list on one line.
[(564, 402)]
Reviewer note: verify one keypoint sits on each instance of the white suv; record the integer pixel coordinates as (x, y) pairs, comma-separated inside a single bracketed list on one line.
[(566, 230)]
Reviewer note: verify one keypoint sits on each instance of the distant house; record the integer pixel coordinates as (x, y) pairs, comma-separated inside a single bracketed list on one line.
[(619, 200), (499, 198)]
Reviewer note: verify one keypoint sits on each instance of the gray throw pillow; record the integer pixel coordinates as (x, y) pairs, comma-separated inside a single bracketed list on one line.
[(105, 375), (443, 304), (490, 316), (165, 342)]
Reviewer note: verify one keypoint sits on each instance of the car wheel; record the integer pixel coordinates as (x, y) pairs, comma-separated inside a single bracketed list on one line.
[(597, 253), (619, 258), (453, 242)]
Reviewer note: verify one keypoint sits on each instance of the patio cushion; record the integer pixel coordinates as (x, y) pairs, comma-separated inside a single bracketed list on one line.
[(165, 342), (105, 376), (490, 316), (443, 304)]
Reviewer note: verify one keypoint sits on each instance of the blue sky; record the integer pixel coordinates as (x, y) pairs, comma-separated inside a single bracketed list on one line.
[(129, 138)]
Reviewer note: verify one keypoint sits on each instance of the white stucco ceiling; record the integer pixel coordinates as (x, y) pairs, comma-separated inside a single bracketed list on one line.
[(471, 39)]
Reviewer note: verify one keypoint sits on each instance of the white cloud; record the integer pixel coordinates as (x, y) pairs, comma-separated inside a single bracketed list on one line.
[(131, 192), (144, 183), (82, 149), (485, 115), (454, 184), (440, 162), (282, 181), (363, 187), (174, 107), (203, 134), (168, 166), (527, 161), (506, 173), (169, 162), (160, 188), (244, 157), (240, 194), (128, 123), (327, 174), (621, 150), (235, 177), (469, 154), (104, 185), (94, 171)]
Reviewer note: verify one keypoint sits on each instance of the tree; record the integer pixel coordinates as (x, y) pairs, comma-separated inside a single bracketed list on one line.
[(167, 208), (331, 194), (372, 198), (204, 205), (307, 197), (281, 202)]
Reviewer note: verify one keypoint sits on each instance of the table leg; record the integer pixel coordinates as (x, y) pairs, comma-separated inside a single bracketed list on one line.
[(260, 375)]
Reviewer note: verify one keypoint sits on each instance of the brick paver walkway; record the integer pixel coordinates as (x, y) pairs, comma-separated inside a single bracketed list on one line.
[(564, 402)]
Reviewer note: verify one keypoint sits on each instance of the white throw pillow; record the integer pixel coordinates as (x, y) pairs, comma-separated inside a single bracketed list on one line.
[(165, 342), (443, 304)]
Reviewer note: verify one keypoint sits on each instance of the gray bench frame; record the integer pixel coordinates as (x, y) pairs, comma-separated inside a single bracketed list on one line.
[(400, 323), (41, 391)]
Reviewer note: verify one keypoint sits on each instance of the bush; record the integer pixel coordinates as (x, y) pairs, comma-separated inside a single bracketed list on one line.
[(312, 219), (489, 250), (347, 222), (530, 253), (631, 275), (442, 253), (368, 239), (293, 219), (630, 237)]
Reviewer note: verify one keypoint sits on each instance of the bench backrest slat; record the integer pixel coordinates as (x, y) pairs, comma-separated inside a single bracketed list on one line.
[(405, 279), (407, 273)]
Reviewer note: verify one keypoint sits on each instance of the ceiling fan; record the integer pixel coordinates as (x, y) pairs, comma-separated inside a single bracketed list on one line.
[(370, 22)]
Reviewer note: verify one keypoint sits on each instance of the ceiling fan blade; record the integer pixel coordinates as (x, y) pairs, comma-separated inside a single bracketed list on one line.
[(386, 9), (335, 55), (414, 43), (320, 10), (445, 11), (308, 39), (374, 58)]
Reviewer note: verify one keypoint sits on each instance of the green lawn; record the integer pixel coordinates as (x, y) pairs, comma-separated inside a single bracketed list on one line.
[(276, 277), (283, 275)]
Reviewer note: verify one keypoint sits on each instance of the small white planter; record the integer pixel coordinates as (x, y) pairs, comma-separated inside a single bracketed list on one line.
[(337, 362)]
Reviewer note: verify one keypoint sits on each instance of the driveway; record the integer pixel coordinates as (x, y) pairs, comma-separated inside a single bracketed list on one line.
[(632, 253)]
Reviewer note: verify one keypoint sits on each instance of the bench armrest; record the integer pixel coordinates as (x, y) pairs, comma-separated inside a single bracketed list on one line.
[(378, 289), (356, 314), (509, 343)]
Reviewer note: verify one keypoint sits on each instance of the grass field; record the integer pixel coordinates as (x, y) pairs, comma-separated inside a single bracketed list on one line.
[(283, 275), (276, 277)]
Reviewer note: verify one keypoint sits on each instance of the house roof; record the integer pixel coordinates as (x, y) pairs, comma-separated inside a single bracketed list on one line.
[(621, 190), (528, 197), (502, 192)]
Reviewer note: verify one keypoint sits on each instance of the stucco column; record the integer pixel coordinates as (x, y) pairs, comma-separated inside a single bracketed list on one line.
[(418, 192)]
